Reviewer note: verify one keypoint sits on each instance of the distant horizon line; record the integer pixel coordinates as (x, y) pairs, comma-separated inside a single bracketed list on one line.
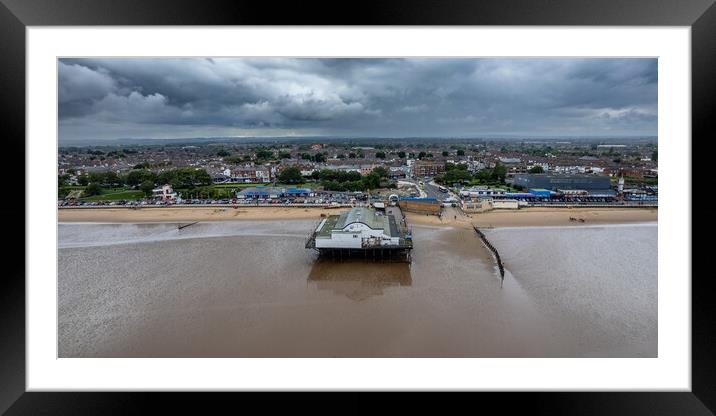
[(69, 142)]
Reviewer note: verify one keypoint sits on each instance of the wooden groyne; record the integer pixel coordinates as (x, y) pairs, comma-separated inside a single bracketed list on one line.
[(494, 251), (179, 227)]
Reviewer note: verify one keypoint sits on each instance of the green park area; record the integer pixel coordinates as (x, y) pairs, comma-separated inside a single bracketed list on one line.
[(103, 194), (224, 190), (115, 195)]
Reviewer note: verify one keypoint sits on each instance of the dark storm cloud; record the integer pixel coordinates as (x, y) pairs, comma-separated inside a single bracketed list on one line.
[(167, 97)]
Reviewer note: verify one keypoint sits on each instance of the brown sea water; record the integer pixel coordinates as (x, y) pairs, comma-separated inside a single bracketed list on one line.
[(251, 289)]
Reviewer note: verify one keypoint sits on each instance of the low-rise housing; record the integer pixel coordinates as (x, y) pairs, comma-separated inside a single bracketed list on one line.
[(427, 168)]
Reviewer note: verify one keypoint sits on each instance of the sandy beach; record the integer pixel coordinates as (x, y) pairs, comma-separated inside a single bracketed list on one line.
[(539, 216), (125, 215), (526, 217)]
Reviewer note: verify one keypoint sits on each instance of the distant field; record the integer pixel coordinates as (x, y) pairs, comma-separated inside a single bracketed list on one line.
[(249, 185), (225, 189), (110, 195), (236, 185), (221, 190), (504, 186), (641, 181), (291, 185)]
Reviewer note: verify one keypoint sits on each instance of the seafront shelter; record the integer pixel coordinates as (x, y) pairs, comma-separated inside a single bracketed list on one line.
[(297, 192), (261, 192), (540, 192)]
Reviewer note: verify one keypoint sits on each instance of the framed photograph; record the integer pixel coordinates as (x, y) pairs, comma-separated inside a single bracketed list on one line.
[(457, 197)]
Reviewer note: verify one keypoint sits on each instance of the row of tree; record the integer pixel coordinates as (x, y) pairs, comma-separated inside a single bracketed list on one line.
[(335, 180), (145, 180), (261, 154), (267, 155), (459, 174), (372, 180)]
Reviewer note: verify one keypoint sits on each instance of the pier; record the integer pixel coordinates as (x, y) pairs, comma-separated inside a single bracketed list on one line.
[(363, 233)]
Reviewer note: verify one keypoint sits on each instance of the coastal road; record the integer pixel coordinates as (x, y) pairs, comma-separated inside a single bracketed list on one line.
[(432, 191)]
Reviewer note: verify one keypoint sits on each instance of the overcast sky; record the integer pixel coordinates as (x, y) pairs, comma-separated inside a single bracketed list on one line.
[(207, 97)]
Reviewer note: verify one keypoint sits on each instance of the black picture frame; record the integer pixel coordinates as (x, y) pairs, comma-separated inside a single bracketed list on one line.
[(15, 15)]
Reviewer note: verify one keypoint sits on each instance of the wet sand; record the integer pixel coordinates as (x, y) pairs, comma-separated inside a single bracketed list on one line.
[(126, 215), (251, 289), (539, 216), (605, 300)]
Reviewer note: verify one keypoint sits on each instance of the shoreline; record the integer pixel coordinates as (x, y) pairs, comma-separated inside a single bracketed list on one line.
[(525, 217), (541, 217), (189, 214)]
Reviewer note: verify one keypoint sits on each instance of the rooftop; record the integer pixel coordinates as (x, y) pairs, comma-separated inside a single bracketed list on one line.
[(262, 190), (369, 217), (328, 226)]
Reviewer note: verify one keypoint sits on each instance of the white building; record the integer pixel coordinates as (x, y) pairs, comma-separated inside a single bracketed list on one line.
[(263, 175), (544, 166), (399, 171), (505, 204), (164, 193), (475, 165), (358, 228), (488, 204), (345, 168), (481, 191)]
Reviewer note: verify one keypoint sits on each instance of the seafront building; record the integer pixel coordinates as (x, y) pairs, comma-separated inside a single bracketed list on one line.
[(481, 191), (164, 193), (271, 192), (362, 231), (589, 184)]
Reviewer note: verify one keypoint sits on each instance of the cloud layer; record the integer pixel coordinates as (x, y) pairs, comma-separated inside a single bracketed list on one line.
[(191, 97)]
